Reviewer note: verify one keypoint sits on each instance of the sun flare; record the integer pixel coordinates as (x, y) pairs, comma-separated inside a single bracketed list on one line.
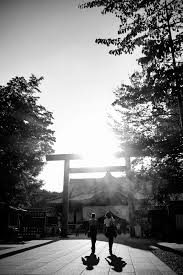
[(94, 141), (97, 145)]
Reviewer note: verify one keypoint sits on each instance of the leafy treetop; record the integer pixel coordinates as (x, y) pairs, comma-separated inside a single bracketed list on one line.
[(25, 138)]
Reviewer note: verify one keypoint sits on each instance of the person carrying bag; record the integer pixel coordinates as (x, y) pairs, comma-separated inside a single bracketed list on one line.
[(110, 229)]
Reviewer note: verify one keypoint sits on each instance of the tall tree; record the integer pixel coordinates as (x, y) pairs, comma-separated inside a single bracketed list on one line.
[(25, 138), (150, 127), (42, 197), (151, 106)]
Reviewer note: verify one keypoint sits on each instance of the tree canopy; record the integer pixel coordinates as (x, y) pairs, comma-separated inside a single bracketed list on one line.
[(42, 197), (141, 21), (156, 27), (150, 107), (25, 138)]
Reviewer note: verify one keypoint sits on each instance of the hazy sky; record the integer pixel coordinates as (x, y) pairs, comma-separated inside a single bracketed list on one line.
[(56, 39)]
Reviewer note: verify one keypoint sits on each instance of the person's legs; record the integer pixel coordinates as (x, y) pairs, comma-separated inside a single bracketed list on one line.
[(110, 244), (93, 241)]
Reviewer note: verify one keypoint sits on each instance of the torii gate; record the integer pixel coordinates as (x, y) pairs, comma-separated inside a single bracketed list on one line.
[(67, 170)]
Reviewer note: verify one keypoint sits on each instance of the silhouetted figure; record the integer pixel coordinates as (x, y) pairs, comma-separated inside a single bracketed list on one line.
[(93, 231), (116, 262), (110, 230), (90, 261)]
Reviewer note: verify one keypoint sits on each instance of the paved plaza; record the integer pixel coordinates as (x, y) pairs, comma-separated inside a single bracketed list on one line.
[(73, 257)]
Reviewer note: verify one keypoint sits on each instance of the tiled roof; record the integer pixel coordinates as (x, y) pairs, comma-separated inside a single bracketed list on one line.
[(100, 191)]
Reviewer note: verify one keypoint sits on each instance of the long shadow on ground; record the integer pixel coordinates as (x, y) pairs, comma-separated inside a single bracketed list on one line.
[(116, 262), (90, 261)]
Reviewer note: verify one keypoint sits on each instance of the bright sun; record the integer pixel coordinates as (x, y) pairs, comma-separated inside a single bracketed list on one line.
[(89, 136), (97, 147), (94, 140)]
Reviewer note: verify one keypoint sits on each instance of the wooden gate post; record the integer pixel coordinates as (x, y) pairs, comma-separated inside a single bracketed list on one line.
[(65, 212), (131, 207), (65, 206)]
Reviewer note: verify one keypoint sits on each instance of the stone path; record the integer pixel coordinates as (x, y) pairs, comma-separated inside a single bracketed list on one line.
[(72, 257), (11, 249)]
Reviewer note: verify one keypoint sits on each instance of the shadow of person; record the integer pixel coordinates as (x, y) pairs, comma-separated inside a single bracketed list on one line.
[(90, 261), (116, 262)]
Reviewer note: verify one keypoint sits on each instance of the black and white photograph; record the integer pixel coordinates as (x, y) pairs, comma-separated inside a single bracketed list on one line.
[(91, 137)]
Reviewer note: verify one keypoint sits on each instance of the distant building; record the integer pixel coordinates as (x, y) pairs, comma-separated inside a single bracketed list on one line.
[(97, 195)]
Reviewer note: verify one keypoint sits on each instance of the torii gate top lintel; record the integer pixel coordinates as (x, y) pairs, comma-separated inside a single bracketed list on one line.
[(55, 157)]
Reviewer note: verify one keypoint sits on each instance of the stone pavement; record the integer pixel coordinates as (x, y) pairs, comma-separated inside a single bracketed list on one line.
[(72, 257), (12, 249)]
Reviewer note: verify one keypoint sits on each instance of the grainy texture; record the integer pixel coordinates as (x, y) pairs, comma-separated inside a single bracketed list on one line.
[(174, 261)]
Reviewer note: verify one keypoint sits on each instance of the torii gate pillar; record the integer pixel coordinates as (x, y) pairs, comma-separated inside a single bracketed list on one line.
[(65, 209), (131, 206)]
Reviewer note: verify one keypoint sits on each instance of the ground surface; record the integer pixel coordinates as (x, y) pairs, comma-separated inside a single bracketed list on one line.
[(72, 256), (172, 259)]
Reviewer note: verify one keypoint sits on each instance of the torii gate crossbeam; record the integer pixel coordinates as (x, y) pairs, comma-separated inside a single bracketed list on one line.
[(66, 158)]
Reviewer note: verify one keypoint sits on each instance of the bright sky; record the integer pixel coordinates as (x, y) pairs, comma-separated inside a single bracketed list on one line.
[(55, 39)]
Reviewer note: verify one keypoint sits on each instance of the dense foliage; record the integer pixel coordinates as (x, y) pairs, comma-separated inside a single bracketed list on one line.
[(42, 197), (25, 138), (150, 107)]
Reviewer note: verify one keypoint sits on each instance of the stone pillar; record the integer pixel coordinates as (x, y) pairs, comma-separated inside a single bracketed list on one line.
[(65, 212), (131, 206)]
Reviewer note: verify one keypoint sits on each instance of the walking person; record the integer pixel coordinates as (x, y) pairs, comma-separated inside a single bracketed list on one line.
[(93, 231), (110, 229)]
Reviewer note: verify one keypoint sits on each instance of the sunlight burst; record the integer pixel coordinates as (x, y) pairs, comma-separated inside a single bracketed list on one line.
[(97, 146), (94, 141)]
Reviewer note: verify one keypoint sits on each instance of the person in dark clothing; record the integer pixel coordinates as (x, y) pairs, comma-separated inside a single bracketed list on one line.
[(110, 229), (93, 231)]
